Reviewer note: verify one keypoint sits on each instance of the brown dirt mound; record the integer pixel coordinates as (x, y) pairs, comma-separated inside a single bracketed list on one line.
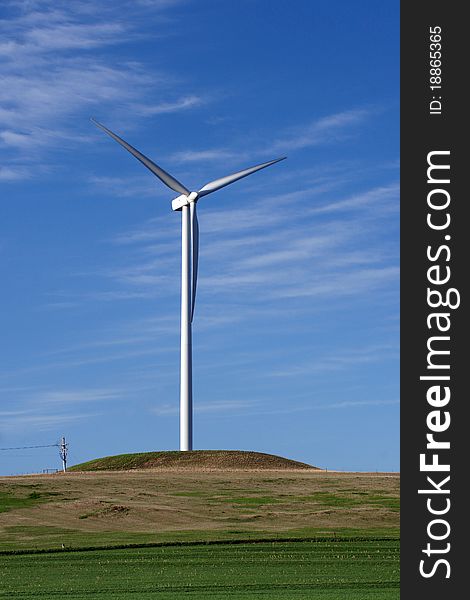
[(193, 460)]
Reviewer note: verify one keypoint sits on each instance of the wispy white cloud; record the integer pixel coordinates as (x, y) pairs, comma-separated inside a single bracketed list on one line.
[(13, 173), (214, 154), (314, 406), (350, 283), (325, 130), (218, 406), (283, 246), (170, 107), (375, 199), (356, 403), (331, 128), (151, 231), (45, 409), (55, 70), (235, 408), (83, 358), (72, 397), (58, 34), (338, 361), (35, 422)]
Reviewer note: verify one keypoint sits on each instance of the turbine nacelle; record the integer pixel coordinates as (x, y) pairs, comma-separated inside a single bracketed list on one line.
[(184, 200)]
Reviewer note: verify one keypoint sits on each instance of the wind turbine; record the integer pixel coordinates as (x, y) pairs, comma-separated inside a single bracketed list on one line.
[(186, 203)]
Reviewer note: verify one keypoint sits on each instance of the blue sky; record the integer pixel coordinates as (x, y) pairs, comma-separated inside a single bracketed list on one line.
[(296, 327)]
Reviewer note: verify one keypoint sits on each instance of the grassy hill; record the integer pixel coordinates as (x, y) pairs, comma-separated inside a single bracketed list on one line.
[(194, 460), (105, 508)]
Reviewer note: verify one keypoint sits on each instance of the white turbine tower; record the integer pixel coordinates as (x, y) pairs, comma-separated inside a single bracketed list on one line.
[(186, 203)]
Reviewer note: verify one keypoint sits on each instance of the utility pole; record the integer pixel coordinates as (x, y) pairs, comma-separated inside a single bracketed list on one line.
[(63, 449)]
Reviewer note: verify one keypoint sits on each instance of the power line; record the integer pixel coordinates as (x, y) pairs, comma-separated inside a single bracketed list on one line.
[(28, 447)]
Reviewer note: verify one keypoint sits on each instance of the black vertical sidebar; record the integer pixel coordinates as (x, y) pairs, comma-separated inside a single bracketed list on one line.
[(435, 251)]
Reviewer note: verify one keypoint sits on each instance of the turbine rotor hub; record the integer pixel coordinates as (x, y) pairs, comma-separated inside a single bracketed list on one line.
[(183, 200)]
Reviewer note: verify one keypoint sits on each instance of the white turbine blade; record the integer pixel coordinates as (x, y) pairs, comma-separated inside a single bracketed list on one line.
[(165, 177), (215, 185), (194, 255)]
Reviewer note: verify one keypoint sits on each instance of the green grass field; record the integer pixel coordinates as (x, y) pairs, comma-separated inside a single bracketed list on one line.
[(352, 570)]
